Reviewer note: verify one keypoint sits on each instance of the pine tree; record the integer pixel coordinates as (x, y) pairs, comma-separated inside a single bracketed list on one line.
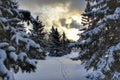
[(15, 43), (65, 44), (39, 36), (59, 44), (86, 19), (55, 43), (101, 41), (63, 40)]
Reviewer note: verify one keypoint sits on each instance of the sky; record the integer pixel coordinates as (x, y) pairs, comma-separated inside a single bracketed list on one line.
[(63, 14)]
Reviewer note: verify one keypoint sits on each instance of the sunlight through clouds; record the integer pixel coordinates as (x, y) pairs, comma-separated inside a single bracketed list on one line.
[(63, 14)]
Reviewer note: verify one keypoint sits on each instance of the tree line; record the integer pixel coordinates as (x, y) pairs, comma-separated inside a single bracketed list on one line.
[(19, 49), (100, 41)]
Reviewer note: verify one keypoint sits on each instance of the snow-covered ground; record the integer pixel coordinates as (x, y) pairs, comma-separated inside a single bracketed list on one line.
[(56, 68)]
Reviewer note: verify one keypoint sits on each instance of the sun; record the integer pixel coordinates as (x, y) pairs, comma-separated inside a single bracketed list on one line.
[(72, 34), (77, 18)]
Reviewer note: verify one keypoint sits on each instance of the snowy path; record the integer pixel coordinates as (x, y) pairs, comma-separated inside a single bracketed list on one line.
[(55, 69), (63, 70)]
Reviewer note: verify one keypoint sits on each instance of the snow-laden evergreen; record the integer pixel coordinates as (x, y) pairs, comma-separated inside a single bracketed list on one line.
[(100, 47), (58, 44), (15, 43)]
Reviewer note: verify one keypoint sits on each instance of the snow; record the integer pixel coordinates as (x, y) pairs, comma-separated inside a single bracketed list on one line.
[(0, 2), (13, 20), (3, 69), (110, 52), (31, 43), (3, 44), (4, 20), (22, 56), (116, 76), (13, 56), (39, 50), (32, 62), (72, 55), (74, 44), (105, 64), (23, 37), (95, 31), (11, 48), (88, 40), (3, 55), (114, 16), (10, 12), (10, 76), (90, 61), (117, 11), (96, 74), (97, 3), (56, 68), (18, 36)]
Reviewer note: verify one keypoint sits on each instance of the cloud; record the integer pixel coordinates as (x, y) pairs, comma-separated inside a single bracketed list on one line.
[(48, 2), (70, 24), (77, 5), (40, 3), (63, 22), (59, 13), (73, 5), (75, 24)]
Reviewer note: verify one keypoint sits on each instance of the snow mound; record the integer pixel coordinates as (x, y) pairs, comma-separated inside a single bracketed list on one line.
[(73, 54)]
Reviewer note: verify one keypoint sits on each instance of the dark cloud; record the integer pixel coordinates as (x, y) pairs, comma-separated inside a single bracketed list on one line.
[(77, 5), (58, 13), (63, 22), (73, 5), (34, 3), (74, 24), (45, 2)]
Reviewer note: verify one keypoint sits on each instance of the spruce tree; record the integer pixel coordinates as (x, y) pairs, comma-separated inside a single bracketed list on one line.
[(65, 44), (38, 35), (15, 43), (55, 43), (58, 44), (63, 40), (86, 19), (100, 47)]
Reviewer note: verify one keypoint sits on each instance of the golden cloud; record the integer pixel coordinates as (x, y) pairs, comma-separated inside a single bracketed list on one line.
[(63, 14)]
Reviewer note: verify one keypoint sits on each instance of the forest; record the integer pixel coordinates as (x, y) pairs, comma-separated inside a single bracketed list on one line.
[(28, 46)]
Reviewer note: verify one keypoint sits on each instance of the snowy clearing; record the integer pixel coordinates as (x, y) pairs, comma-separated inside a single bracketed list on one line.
[(56, 68)]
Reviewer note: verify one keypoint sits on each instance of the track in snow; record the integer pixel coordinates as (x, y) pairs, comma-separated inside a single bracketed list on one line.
[(60, 68), (63, 70)]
